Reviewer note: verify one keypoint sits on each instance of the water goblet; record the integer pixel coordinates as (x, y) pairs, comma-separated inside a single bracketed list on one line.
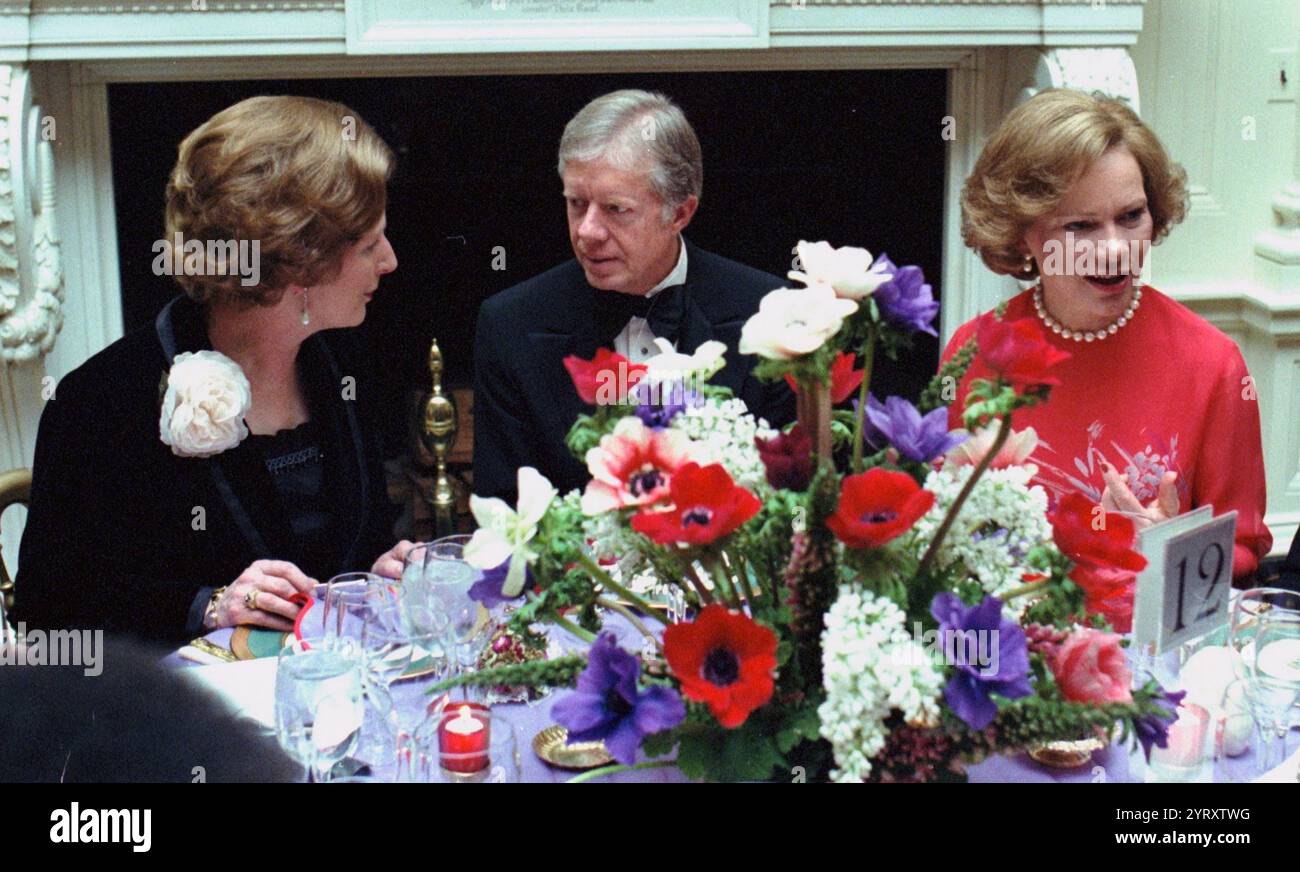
[(318, 705)]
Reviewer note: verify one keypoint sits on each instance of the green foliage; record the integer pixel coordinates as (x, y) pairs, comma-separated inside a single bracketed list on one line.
[(560, 672), (947, 379), (659, 744), (810, 367)]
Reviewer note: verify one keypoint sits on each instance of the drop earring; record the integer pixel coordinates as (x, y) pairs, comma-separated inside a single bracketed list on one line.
[(1029, 265), (305, 319)]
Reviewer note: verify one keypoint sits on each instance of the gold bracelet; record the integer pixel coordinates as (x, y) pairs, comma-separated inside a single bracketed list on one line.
[(210, 613)]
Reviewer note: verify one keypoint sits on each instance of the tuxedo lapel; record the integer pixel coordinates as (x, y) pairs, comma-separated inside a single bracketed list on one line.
[(571, 330), (697, 328)]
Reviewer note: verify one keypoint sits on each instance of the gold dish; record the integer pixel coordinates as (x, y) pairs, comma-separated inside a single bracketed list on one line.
[(1066, 754), (551, 744)]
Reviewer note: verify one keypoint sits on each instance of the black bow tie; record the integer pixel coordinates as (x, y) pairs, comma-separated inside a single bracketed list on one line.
[(663, 312)]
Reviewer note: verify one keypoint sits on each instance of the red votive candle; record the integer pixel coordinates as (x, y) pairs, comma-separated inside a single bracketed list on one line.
[(463, 736)]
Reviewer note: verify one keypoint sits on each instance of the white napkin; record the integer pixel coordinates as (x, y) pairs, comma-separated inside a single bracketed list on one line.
[(248, 686)]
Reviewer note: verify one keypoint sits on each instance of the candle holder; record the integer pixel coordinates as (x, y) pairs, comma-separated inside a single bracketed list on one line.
[(462, 742)]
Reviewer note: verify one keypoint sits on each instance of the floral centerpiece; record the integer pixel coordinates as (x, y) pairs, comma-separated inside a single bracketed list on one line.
[(865, 596)]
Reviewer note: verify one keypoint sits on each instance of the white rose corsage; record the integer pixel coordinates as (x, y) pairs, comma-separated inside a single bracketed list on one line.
[(206, 398)]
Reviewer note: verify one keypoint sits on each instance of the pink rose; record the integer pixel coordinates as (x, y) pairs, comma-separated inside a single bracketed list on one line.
[(1090, 667)]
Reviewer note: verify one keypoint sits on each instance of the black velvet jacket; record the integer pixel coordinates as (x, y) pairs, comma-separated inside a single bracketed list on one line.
[(524, 400), (125, 536)]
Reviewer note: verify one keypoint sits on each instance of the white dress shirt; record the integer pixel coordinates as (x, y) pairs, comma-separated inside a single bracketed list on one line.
[(636, 341)]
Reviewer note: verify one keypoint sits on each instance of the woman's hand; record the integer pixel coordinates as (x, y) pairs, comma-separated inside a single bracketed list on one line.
[(1118, 498), (390, 564), (260, 596)]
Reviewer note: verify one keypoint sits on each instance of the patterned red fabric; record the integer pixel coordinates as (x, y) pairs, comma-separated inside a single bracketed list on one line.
[(1168, 391)]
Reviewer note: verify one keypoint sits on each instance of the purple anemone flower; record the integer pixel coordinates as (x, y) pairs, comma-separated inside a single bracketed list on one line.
[(918, 438), (657, 406), (487, 590), (608, 707), (1153, 729), (990, 655), (906, 300)]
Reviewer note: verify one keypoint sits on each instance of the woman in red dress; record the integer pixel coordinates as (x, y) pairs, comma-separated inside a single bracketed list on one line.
[(1156, 412)]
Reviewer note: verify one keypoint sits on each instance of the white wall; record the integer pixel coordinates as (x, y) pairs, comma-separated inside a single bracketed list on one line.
[(1209, 75)]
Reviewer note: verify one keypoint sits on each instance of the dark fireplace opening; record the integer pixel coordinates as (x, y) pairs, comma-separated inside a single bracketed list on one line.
[(854, 157)]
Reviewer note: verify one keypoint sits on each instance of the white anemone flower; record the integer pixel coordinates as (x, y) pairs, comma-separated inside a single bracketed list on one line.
[(791, 323), (848, 270)]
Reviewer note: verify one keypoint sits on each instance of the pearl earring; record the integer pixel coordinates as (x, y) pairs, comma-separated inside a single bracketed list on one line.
[(305, 319), (1029, 265)]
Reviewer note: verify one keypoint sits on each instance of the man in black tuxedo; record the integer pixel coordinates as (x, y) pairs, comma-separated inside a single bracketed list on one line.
[(632, 175)]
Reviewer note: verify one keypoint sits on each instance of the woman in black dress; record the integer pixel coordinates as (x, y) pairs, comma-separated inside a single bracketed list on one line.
[(202, 471)]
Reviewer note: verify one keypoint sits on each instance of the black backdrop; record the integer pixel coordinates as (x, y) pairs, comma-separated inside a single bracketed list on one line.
[(853, 157)]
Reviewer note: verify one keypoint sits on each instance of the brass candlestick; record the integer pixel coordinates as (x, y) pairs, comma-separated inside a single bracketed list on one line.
[(439, 434)]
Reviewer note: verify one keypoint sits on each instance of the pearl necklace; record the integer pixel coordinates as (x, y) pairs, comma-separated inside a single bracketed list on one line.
[(1078, 335)]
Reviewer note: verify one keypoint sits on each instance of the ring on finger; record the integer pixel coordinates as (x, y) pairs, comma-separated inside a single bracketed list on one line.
[(250, 599)]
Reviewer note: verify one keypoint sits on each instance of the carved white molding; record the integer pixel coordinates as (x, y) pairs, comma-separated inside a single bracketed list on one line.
[(1280, 244), (31, 273), (1108, 71), (1090, 3), (181, 6)]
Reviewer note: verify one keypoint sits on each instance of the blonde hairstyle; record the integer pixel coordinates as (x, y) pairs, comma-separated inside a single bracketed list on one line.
[(304, 178), (1038, 152)]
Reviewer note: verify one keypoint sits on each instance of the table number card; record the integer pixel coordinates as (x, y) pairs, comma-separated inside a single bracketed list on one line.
[(1183, 593)]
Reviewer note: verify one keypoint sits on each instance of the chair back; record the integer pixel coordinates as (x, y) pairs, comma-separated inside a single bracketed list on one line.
[(15, 487)]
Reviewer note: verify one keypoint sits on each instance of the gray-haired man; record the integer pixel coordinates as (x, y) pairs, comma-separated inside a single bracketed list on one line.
[(632, 174)]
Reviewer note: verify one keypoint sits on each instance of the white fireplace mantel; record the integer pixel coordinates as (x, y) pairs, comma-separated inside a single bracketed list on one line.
[(63, 30)]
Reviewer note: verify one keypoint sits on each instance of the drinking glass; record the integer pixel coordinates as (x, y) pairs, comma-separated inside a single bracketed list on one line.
[(348, 602), (318, 705), (1273, 672), (1248, 608), (449, 579), (1188, 754)]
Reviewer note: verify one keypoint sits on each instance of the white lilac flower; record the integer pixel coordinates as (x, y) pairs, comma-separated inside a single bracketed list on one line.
[(726, 430), (1002, 519), (871, 666)]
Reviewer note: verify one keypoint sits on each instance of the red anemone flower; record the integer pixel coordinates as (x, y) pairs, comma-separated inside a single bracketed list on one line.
[(876, 506), (725, 660), (1109, 593), (605, 379), (707, 505), (1090, 536), (1018, 351), (844, 378), (787, 458)]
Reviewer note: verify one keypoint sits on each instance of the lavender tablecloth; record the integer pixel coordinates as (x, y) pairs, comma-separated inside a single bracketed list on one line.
[(1112, 764)]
